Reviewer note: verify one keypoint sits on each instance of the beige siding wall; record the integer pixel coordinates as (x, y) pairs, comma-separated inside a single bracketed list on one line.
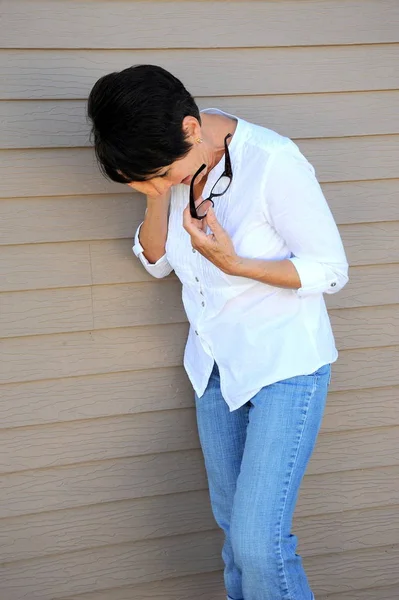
[(103, 491)]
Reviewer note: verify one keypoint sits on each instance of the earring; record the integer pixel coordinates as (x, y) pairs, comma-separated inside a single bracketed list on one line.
[(199, 140)]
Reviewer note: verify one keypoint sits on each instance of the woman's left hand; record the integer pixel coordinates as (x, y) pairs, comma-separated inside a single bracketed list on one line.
[(217, 246)]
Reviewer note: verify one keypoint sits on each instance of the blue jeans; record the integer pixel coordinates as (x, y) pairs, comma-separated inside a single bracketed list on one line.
[(255, 458)]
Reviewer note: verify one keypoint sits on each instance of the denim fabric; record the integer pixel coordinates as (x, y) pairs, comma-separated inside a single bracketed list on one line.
[(255, 459)]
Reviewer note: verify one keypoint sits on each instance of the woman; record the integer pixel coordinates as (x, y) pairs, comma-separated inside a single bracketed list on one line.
[(236, 211)]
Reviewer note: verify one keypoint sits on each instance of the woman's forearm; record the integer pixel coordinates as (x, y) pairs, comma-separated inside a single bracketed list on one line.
[(154, 230), (280, 273)]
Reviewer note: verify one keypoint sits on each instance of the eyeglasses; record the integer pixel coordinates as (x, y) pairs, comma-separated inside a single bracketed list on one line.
[(221, 186)]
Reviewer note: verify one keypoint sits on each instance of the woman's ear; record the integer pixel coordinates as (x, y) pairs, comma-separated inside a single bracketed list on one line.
[(191, 127)]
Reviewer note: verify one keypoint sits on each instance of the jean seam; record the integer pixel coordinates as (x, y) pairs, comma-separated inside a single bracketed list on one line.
[(290, 474)]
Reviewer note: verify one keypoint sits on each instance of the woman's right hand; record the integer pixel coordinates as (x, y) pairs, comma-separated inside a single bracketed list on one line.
[(154, 189)]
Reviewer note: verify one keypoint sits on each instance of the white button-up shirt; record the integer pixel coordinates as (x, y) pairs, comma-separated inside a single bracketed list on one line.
[(274, 209)]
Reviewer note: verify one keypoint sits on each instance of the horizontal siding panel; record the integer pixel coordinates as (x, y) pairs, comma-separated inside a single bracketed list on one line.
[(115, 263), (355, 202), (304, 116), (365, 243), (356, 409), (68, 74), (55, 123), (373, 593), (345, 451), (212, 586), (101, 439), (74, 218), (340, 159), (52, 172), (41, 266), (371, 243), (91, 352), (146, 304), (359, 569), (68, 25), (347, 531), (87, 527), (42, 490), (129, 305), (45, 311), (124, 522), (74, 171), (204, 586), (115, 216), (124, 349), (133, 392), (181, 555), (71, 486), (156, 432), (61, 265), (371, 367), (368, 286), (38, 267), (348, 490), (366, 327), (100, 568), (93, 396), (100, 307)]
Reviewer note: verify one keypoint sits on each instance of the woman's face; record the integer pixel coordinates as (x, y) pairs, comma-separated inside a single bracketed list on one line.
[(181, 171)]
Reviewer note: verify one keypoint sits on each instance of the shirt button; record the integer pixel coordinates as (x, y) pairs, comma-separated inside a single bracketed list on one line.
[(203, 303), (196, 279), (333, 284), (196, 332), (202, 293), (193, 249)]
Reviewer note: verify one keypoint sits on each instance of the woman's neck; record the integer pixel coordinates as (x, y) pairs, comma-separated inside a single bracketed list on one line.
[(214, 128)]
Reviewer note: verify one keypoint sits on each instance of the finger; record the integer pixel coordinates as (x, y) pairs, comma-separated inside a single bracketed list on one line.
[(145, 187), (158, 185), (139, 186), (192, 226), (200, 223), (213, 223)]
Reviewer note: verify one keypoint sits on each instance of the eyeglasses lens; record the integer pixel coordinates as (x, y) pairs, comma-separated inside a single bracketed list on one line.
[(203, 208), (221, 186)]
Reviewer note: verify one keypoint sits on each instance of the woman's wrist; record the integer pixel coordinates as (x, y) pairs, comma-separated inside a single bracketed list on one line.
[(154, 229)]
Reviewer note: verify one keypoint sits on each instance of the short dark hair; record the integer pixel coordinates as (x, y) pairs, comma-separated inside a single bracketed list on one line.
[(137, 117)]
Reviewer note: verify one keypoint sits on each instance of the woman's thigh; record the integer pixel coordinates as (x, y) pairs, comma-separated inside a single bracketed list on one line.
[(284, 421), (222, 436)]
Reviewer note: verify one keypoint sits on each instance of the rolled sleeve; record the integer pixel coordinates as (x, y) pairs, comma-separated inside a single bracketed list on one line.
[(159, 269), (319, 279), (298, 210)]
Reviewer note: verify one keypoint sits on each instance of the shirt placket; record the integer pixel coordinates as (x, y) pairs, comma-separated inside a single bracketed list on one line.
[(199, 268), (199, 271), (199, 289)]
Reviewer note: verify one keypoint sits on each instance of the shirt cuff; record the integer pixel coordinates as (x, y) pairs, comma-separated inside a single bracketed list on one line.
[(314, 279), (159, 269)]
